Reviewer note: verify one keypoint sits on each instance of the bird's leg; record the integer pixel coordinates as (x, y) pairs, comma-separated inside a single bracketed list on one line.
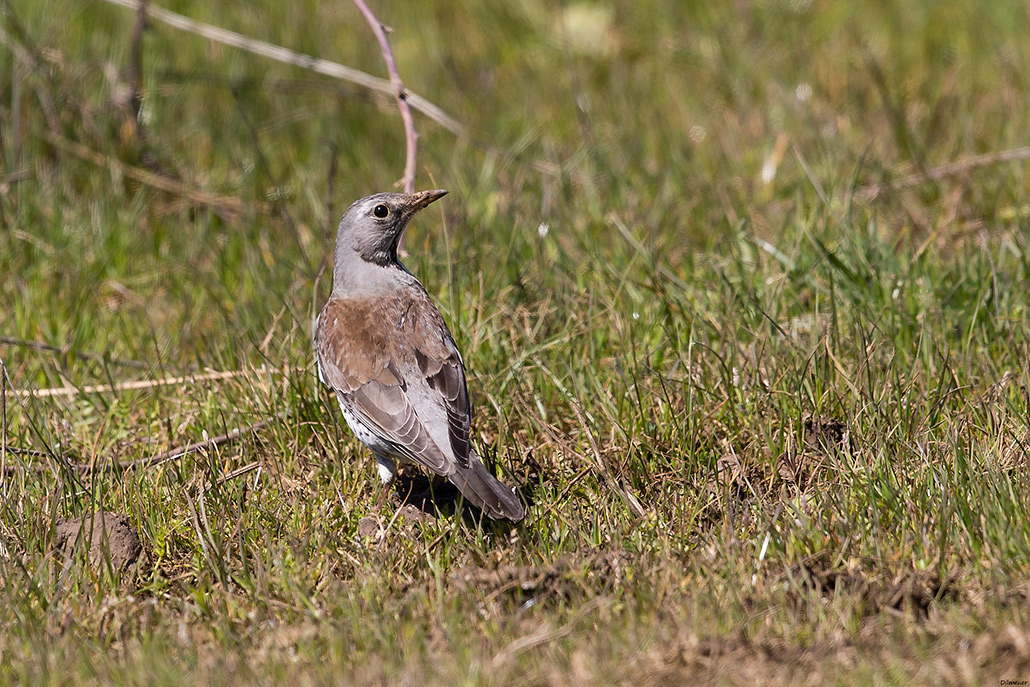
[(387, 471)]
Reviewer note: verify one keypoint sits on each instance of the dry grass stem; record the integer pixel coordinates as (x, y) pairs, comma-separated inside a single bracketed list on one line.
[(141, 384), (157, 459)]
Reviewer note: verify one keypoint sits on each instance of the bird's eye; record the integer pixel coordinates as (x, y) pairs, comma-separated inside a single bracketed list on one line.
[(380, 211)]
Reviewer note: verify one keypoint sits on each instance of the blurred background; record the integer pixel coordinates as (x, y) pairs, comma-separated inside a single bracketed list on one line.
[(211, 200)]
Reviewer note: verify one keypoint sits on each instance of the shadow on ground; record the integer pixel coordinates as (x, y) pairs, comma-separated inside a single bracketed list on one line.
[(438, 497)]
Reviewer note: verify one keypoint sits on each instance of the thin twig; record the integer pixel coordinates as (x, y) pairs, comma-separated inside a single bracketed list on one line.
[(873, 191), (238, 472), (136, 68), (286, 56), (333, 70), (410, 136), (8, 180), (176, 453), (40, 346), (16, 451), (163, 457), (229, 204)]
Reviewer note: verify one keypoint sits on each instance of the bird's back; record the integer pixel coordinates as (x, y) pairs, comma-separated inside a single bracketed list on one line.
[(393, 353)]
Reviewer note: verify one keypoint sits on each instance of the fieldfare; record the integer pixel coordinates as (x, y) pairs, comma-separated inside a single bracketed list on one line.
[(383, 347)]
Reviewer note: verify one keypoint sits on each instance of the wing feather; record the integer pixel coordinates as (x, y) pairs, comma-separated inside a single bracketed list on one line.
[(365, 370), (447, 377)]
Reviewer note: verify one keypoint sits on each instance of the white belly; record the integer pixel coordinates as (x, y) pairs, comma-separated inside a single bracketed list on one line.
[(383, 451)]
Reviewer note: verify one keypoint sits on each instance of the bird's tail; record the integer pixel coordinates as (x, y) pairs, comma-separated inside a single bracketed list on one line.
[(486, 492)]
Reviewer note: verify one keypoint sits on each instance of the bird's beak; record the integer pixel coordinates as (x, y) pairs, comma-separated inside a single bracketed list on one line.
[(417, 201)]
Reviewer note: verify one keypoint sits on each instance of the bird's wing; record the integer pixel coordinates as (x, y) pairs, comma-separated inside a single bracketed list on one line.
[(374, 377), (445, 373)]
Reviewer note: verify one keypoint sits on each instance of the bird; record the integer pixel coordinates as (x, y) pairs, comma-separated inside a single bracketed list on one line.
[(385, 351)]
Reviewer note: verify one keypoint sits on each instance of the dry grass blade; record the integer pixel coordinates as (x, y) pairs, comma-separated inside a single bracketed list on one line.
[(163, 457), (129, 386), (635, 243), (238, 472), (625, 493), (26, 53), (3, 422), (544, 635)]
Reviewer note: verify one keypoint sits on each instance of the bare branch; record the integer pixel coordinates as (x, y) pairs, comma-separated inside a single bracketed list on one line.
[(232, 206), (410, 137), (93, 357), (949, 170), (286, 56)]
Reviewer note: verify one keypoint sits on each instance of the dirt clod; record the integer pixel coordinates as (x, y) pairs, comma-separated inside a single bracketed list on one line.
[(908, 592), (808, 464), (521, 582), (108, 537), (375, 527), (368, 527), (823, 433)]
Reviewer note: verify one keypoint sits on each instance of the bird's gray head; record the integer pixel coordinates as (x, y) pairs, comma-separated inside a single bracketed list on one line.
[(372, 226)]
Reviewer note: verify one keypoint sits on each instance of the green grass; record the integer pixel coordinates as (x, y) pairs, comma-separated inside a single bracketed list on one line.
[(683, 335)]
